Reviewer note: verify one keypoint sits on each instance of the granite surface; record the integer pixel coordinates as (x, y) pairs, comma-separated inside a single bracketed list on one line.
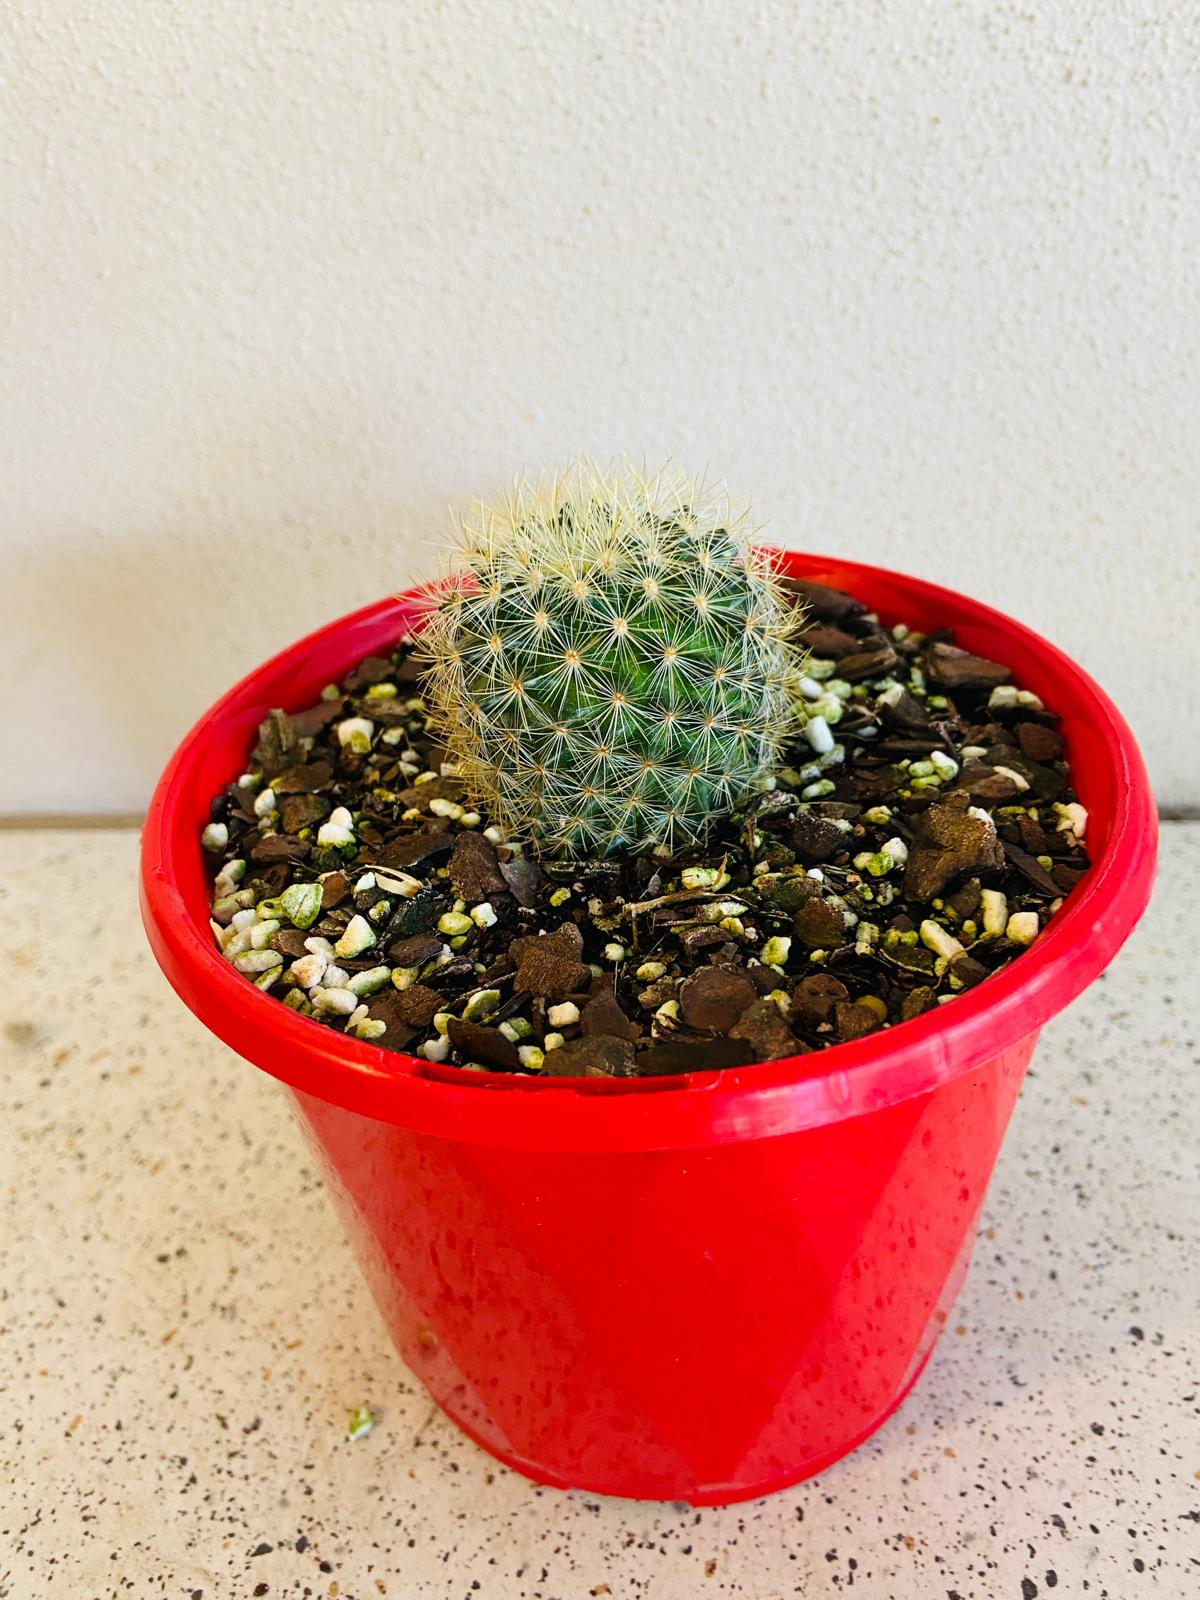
[(183, 1330)]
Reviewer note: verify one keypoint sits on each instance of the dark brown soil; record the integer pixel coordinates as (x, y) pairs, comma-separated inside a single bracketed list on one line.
[(917, 838)]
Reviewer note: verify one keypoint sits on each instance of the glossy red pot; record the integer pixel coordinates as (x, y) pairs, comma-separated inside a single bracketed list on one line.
[(697, 1288)]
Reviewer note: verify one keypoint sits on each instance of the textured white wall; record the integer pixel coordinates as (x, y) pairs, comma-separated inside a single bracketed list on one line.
[(281, 280)]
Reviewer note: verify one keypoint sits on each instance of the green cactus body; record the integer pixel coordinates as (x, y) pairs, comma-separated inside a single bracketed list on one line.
[(610, 662)]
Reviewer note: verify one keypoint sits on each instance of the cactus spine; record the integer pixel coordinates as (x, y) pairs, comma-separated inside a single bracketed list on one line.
[(609, 661)]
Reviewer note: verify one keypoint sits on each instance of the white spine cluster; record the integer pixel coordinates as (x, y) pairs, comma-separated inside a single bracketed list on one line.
[(610, 660)]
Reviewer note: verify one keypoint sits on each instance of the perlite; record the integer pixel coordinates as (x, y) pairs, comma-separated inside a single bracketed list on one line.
[(357, 733), (301, 904), (359, 936), (341, 1001), (338, 829), (938, 940), (481, 1004), (1023, 927)]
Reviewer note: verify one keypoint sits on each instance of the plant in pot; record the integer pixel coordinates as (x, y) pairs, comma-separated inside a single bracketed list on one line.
[(662, 928)]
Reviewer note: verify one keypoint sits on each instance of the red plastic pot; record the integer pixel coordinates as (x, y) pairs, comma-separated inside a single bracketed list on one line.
[(697, 1288)]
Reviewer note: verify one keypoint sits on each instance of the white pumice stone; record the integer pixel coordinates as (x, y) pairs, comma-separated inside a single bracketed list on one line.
[(994, 908), (335, 977), (435, 1049), (301, 903), (1073, 818), (337, 829), (309, 970), (561, 1016), (251, 961), (935, 938), (1023, 927), (230, 875), (215, 837), (531, 1056), (816, 731), (357, 733), (368, 982), (484, 915), (943, 765), (340, 1002), (264, 803), (359, 936), (481, 1005), (316, 945)]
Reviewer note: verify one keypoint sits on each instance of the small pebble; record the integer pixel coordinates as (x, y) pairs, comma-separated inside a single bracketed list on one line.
[(359, 936), (1023, 927), (341, 1001), (356, 733)]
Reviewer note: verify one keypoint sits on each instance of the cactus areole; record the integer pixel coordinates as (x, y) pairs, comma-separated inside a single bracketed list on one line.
[(609, 662)]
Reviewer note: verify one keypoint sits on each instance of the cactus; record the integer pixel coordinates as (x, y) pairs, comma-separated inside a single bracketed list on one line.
[(609, 662)]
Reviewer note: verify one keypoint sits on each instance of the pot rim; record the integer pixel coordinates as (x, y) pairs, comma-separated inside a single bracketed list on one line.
[(714, 1107)]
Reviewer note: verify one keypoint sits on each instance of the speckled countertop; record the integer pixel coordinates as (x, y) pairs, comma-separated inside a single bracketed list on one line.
[(182, 1328)]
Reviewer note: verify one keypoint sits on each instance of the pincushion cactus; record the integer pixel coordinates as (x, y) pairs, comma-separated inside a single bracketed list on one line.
[(609, 663)]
